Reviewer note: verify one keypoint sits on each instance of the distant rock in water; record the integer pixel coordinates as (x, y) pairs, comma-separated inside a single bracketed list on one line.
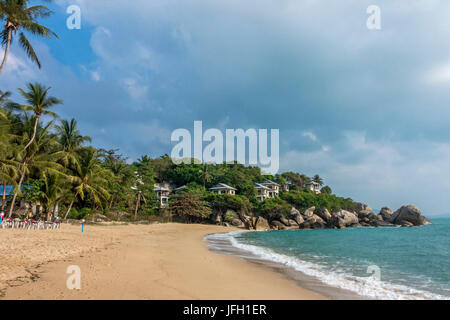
[(386, 213), (408, 216)]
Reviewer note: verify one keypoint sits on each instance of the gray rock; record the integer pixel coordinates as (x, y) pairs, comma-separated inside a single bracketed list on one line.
[(237, 223), (309, 212), (296, 216), (277, 225), (314, 222), (348, 218), (336, 222), (362, 209), (262, 224), (386, 213), (407, 215), (284, 221), (324, 214)]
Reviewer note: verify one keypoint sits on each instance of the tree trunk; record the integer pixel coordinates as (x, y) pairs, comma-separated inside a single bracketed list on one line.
[(68, 210), (18, 190), (137, 205), (36, 121), (8, 46), (3, 197)]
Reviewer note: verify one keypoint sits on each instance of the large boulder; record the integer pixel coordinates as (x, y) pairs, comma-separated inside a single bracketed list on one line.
[(237, 223), (314, 222), (386, 213), (348, 218), (309, 212), (336, 222), (248, 222), (408, 216), (324, 214), (284, 221), (296, 216), (262, 224), (362, 210), (277, 225)]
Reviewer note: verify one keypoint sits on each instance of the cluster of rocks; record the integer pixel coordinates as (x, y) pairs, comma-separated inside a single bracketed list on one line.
[(319, 218)]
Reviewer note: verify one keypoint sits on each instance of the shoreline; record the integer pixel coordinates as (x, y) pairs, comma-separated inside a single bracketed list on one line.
[(220, 244), (159, 261)]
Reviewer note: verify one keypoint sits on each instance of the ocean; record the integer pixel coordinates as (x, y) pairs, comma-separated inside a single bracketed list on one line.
[(371, 263)]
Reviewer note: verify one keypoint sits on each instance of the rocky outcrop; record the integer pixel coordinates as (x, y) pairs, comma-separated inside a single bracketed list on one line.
[(386, 213), (312, 218), (313, 222), (348, 218), (277, 225), (262, 224), (309, 212), (296, 216), (237, 223), (336, 222), (324, 214), (408, 216)]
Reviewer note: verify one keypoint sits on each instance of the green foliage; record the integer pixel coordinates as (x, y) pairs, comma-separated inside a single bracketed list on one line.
[(274, 207), (305, 199), (326, 190)]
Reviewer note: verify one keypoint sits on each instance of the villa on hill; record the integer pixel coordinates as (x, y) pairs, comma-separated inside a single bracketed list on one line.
[(313, 186), (223, 188), (274, 188), (262, 192)]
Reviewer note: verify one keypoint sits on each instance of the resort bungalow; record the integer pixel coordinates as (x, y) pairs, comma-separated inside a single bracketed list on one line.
[(222, 188), (313, 186), (262, 192), (273, 186), (162, 194), (286, 186)]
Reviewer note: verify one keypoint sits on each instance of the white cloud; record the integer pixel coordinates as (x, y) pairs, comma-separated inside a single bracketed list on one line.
[(310, 135)]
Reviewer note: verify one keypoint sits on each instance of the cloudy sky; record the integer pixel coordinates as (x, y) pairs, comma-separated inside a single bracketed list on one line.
[(366, 109)]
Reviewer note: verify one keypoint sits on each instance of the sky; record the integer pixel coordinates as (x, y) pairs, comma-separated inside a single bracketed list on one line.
[(368, 110)]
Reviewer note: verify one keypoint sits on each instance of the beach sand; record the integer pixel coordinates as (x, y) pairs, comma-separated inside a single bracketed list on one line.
[(159, 261)]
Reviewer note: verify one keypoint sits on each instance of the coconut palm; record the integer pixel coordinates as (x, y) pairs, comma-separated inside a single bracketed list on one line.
[(39, 156), (318, 179), (52, 191), (88, 178), (19, 17), (70, 140), (39, 102)]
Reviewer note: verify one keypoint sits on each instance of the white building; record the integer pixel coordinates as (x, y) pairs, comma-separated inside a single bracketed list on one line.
[(222, 188), (262, 192), (162, 194), (274, 188), (313, 186)]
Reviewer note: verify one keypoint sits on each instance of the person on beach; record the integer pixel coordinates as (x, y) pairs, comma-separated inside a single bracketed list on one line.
[(2, 215)]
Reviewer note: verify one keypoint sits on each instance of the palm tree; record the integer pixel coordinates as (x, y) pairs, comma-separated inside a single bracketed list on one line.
[(8, 169), (318, 179), (52, 191), (88, 178), (70, 140), (38, 102), (17, 15), (38, 157)]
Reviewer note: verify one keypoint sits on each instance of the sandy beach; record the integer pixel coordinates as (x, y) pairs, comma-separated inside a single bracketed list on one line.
[(160, 261)]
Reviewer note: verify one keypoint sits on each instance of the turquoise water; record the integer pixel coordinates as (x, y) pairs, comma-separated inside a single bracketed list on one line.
[(383, 263)]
